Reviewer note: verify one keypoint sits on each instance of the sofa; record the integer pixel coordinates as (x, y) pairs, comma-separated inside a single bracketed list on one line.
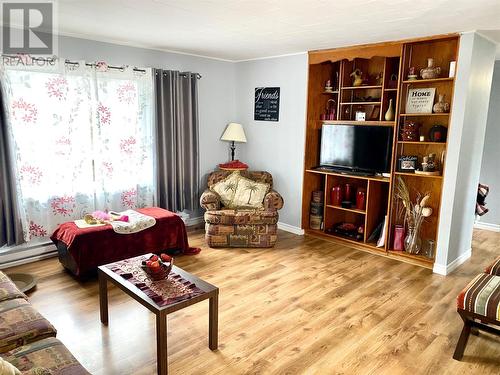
[(241, 226), (27, 339)]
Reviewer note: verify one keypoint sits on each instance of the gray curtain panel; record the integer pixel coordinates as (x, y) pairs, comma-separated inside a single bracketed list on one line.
[(11, 230), (177, 136)]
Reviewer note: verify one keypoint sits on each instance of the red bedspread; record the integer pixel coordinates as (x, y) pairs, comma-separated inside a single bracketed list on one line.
[(92, 247)]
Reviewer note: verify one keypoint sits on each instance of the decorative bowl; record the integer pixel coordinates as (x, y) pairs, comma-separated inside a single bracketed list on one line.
[(161, 271)]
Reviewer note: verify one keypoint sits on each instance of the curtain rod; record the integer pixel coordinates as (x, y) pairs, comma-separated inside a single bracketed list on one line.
[(53, 59)]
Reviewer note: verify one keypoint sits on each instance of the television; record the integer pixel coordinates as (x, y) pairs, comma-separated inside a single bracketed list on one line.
[(356, 148)]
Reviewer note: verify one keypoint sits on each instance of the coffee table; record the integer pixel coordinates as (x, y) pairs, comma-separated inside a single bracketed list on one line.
[(162, 309)]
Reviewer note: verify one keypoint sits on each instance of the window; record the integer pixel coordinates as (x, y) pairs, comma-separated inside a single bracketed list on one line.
[(83, 141)]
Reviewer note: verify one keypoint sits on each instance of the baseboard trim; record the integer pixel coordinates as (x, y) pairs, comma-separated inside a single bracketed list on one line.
[(33, 254), (193, 221), (447, 269), (290, 228), (487, 226)]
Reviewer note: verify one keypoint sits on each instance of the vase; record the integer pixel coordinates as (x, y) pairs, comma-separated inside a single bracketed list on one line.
[(361, 199), (438, 133), (389, 115), (413, 242), (410, 131), (441, 106), (348, 190), (431, 249), (431, 71), (399, 237), (336, 196)]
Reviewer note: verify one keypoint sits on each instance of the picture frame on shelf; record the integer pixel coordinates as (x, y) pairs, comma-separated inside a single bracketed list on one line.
[(420, 100), (407, 163), (360, 116)]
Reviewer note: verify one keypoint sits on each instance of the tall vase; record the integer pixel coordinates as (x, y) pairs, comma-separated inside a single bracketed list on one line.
[(389, 115), (413, 242)]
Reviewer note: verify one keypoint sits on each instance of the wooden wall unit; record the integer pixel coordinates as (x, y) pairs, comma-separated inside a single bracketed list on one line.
[(392, 60)]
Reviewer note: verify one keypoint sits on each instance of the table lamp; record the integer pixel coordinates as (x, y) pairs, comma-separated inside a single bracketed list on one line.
[(234, 133)]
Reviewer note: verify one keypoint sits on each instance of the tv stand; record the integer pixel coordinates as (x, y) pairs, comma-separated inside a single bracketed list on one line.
[(347, 172)]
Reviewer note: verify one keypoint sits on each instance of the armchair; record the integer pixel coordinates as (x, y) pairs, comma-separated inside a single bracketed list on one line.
[(241, 227)]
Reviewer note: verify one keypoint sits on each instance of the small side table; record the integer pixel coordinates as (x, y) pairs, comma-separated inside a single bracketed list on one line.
[(232, 169), (234, 165)]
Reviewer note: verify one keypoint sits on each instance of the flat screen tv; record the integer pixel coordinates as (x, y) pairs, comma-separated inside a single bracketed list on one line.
[(361, 148)]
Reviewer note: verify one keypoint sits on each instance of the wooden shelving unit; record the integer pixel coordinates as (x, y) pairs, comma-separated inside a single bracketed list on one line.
[(349, 122), (421, 143), (433, 80), (363, 87), (443, 50), (361, 103), (423, 114), (356, 211), (416, 175), (386, 65)]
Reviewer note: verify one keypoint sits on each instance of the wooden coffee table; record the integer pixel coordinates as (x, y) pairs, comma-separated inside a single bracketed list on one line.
[(210, 292)]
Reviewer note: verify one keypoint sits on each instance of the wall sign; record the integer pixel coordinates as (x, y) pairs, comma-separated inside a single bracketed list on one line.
[(267, 104), (420, 100)]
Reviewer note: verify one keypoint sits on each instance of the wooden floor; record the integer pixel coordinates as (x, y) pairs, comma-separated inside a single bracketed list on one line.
[(306, 306)]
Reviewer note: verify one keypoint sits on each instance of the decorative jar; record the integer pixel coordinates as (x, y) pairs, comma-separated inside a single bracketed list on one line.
[(431, 71)]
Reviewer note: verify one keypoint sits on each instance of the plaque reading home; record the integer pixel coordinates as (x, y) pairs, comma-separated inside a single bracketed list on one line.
[(267, 104), (420, 100)]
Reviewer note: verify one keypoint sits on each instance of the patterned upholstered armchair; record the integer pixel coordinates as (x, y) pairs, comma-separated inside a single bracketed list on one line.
[(241, 226)]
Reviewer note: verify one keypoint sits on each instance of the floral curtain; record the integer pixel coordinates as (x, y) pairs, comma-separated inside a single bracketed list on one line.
[(83, 141)]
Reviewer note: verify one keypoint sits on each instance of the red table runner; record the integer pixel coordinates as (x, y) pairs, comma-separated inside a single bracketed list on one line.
[(172, 289)]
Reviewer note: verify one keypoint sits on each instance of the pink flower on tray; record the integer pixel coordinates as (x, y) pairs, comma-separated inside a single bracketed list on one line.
[(127, 146), (57, 87), (126, 92), (31, 174), (24, 111), (37, 230), (129, 198), (104, 114), (64, 205)]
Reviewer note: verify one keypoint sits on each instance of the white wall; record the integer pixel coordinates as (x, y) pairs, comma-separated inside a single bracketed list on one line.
[(465, 148), (277, 147), (216, 87), (491, 156)]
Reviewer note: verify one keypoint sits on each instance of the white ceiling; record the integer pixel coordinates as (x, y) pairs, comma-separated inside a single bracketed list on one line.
[(246, 29)]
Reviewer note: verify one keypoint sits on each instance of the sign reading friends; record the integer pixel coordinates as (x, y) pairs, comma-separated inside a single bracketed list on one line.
[(267, 104)]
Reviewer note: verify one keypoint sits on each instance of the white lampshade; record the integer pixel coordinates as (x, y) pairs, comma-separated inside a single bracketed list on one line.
[(234, 133)]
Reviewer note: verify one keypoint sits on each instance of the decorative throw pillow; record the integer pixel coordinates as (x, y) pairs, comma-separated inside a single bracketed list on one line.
[(249, 194), (226, 188), (8, 369)]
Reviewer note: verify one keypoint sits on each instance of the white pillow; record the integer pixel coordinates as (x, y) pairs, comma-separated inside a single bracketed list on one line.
[(249, 194), (7, 368), (226, 188)]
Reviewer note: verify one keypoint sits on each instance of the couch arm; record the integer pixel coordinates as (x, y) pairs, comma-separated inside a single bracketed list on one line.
[(273, 201), (494, 268), (210, 200)]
